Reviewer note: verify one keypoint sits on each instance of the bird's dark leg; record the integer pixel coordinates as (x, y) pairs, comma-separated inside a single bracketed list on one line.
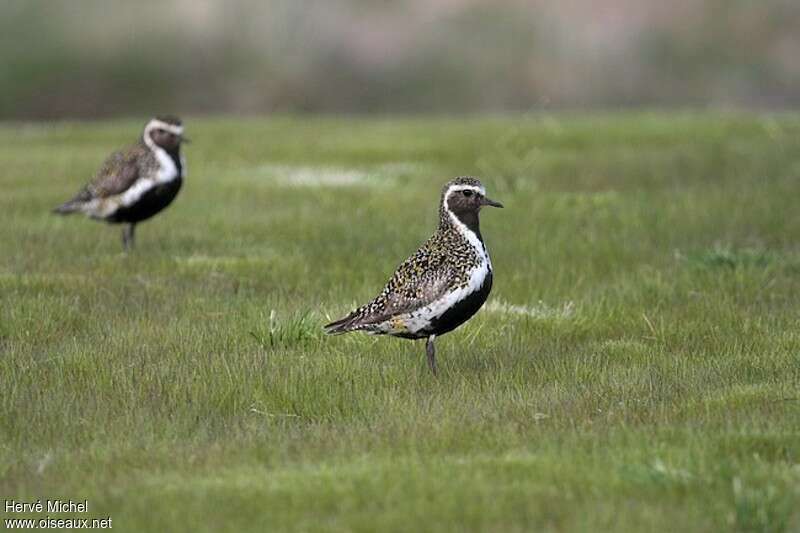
[(127, 236), (431, 352)]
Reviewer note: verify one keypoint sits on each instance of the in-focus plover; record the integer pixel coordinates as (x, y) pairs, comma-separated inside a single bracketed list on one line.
[(442, 284), (136, 183)]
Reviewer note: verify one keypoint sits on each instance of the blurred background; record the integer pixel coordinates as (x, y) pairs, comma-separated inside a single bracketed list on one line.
[(95, 58)]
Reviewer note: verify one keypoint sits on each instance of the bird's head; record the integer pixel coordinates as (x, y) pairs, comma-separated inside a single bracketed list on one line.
[(463, 199), (165, 132)]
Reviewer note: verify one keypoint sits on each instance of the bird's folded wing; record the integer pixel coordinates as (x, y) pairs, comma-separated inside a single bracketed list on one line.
[(118, 173), (413, 286)]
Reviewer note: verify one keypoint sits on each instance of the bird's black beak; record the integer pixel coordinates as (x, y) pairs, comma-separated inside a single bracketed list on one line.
[(186, 140), (490, 202)]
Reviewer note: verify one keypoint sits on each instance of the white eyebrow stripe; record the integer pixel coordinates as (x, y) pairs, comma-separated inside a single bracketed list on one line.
[(455, 188), (172, 128)]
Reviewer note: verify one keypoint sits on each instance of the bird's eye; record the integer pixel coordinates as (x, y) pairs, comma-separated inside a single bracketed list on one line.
[(467, 193)]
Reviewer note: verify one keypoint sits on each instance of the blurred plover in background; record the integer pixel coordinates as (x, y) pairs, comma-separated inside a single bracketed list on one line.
[(136, 183)]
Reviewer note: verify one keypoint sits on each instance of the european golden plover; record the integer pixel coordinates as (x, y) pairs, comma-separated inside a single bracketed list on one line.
[(136, 183), (442, 284)]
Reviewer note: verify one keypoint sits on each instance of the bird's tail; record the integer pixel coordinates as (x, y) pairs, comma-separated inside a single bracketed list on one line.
[(343, 325), (74, 205), (67, 207)]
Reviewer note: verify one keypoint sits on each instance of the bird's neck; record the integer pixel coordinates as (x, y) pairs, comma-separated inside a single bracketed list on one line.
[(174, 153), (160, 152), (466, 223)]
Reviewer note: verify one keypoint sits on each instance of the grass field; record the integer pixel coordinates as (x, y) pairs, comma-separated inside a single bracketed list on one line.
[(637, 367)]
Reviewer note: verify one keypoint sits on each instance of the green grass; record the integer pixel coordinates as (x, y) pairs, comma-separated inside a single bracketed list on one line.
[(637, 367)]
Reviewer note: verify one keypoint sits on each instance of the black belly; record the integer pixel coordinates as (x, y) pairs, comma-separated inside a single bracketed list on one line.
[(150, 203), (461, 311)]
